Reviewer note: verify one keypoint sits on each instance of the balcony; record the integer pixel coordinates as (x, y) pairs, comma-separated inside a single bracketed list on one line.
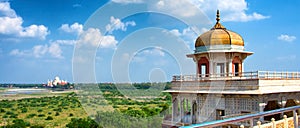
[(258, 82), (262, 75)]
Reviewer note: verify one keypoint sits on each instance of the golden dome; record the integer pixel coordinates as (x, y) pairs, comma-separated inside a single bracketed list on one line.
[(219, 35)]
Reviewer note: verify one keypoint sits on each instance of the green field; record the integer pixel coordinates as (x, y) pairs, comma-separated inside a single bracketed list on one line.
[(2, 89), (110, 109), (37, 110)]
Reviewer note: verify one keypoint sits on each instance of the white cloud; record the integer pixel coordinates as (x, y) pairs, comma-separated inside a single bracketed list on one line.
[(144, 54), (186, 32), (188, 35), (231, 10), (17, 52), (153, 52), (40, 51), (5, 10), (55, 50), (286, 38), (138, 59), (287, 58), (39, 31), (182, 8), (125, 56), (117, 24), (64, 42), (127, 1), (11, 24), (156, 51), (175, 32), (76, 5), (93, 37), (74, 28)]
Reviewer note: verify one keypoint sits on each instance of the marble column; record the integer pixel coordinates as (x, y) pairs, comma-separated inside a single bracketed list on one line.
[(182, 108), (230, 67), (175, 109), (261, 109)]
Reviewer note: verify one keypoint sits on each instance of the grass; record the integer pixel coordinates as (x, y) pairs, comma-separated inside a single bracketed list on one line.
[(33, 95), (38, 110), (55, 110), (2, 90)]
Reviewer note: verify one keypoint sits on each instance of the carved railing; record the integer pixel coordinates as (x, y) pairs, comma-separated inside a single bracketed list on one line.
[(284, 123), (240, 75), (291, 122)]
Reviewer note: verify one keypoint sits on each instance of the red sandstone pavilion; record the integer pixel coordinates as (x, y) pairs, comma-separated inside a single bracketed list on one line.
[(221, 94)]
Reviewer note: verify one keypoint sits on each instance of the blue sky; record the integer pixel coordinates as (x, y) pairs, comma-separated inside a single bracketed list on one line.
[(136, 40)]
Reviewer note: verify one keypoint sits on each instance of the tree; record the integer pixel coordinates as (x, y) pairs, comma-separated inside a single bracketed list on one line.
[(49, 118), (18, 123), (82, 123)]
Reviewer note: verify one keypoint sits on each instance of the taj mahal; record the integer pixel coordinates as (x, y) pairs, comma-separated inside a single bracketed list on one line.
[(221, 88)]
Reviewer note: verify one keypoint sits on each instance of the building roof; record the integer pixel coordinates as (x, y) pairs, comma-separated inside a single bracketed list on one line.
[(219, 35)]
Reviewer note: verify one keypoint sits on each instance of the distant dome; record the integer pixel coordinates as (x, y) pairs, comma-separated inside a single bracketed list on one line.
[(219, 35), (56, 78)]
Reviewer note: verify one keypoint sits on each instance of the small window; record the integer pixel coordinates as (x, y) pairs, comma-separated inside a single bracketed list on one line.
[(220, 69), (236, 69), (203, 70), (219, 114)]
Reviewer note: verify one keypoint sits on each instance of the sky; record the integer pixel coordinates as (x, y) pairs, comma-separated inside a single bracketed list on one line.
[(136, 40)]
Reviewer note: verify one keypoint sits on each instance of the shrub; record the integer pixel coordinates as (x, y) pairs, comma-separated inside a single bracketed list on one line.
[(58, 109), (9, 113), (49, 113), (5, 116), (49, 118), (24, 110), (36, 126), (18, 123), (2, 110), (30, 115), (71, 114), (41, 115), (40, 110), (57, 114), (13, 116), (82, 123)]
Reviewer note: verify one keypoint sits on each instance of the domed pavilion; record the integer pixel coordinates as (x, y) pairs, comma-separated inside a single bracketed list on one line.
[(219, 52), (221, 88)]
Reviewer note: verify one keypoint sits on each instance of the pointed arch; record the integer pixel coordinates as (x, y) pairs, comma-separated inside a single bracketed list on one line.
[(203, 67), (237, 66)]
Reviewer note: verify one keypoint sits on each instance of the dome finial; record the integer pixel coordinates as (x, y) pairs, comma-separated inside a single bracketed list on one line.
[(218, 25), (218, 16)]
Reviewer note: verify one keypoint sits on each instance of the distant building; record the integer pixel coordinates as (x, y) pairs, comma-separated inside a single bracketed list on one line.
[(221, 88), (56, 81)]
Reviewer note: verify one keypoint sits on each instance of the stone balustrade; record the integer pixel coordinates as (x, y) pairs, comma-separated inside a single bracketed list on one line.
[(239, 76)]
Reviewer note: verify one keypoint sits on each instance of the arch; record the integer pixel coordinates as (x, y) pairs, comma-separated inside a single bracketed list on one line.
[(272, 105), (203, 67), (290, 103), (236, 66), (194, 111)]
